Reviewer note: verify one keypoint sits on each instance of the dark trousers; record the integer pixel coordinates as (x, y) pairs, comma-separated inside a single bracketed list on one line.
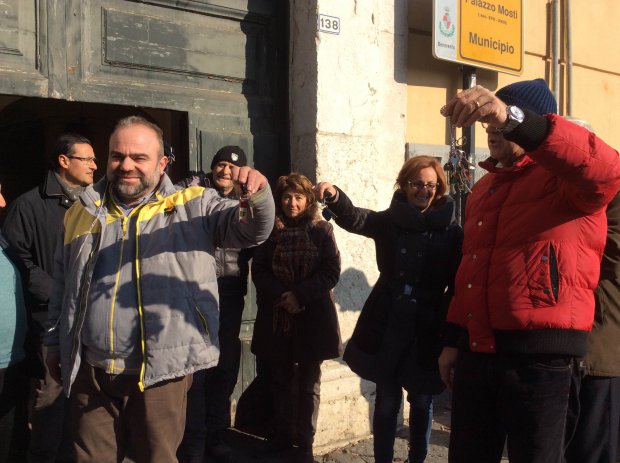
[(14, 413), (220, 381), (388, 400), (296, 391), (523, 399), (208, 401), (111, 415), (596, 435), (50, 436)]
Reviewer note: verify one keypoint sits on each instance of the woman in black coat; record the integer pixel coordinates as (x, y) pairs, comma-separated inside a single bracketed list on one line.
[(397, 339), (296, 326)]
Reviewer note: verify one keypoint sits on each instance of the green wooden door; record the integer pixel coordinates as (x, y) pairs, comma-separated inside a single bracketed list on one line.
[(223, 63)]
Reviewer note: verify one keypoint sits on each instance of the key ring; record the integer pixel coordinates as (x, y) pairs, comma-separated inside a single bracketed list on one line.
[(458, 168), (326, 212)]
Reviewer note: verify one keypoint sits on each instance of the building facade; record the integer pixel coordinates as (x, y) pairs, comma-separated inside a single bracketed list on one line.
[(364, 99), (341, 91)]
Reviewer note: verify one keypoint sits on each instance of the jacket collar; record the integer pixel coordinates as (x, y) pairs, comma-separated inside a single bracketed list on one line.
[(51, 186), (407, 217), (490, 165)]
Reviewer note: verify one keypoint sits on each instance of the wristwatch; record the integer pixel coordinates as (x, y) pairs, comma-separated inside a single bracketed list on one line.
[(515, 117)]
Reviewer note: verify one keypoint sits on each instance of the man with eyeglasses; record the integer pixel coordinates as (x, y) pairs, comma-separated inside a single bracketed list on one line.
[(33, 226)]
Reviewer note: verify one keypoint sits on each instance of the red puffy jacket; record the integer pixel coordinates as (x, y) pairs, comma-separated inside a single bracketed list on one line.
[(534, 237)]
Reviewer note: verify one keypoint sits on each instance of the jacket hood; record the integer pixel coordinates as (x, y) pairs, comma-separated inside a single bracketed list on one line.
[(439, 216)]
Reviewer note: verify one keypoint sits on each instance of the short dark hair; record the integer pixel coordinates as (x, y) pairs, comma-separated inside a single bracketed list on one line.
[(64, 145)]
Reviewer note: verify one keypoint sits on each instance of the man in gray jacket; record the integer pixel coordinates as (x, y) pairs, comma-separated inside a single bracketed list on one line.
[(134, 310)]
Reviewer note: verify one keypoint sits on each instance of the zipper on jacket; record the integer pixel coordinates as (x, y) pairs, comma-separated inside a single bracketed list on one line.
[(116, 281), (202, 320), (88, 269), (140, 311), (554, 273)]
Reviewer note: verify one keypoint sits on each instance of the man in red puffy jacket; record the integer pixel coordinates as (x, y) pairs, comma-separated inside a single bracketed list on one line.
[(524, 294)]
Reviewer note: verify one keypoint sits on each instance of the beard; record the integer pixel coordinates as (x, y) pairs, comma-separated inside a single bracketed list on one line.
[(130, 193)]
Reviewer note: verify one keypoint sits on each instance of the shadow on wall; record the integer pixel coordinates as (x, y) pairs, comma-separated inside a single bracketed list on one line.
[(351, 293), (352, 290)]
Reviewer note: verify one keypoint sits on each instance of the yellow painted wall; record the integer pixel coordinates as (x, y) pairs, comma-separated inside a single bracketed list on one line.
[(596, 68)]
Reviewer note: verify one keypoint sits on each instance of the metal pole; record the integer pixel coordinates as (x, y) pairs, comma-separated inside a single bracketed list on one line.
[(556, 50), (460, 198), (469, 81)]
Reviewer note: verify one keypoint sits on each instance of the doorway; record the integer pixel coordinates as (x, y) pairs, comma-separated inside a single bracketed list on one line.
[(30, 126)]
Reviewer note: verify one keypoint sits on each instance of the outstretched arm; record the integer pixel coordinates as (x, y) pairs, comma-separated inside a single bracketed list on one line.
[(223, 219)]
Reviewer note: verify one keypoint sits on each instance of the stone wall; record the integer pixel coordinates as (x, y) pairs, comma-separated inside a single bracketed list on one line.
[(348, 97)]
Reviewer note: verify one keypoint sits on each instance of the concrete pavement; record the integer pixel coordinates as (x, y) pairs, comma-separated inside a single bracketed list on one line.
[(247, 446)]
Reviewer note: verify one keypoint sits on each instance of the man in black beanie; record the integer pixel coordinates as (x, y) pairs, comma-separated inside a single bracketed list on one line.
[(208, 400), (535, 231)]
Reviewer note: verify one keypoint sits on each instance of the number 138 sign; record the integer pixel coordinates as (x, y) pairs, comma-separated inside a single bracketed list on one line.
[(329, 24)]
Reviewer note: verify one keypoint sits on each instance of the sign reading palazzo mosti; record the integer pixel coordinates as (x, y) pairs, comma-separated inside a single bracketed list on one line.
[(484, 34)]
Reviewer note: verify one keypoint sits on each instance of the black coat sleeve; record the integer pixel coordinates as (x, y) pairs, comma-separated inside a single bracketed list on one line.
[(354, 219), (19, 229)]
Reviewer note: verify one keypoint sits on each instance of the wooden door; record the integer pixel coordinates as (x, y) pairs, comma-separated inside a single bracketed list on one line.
[(221, 63)]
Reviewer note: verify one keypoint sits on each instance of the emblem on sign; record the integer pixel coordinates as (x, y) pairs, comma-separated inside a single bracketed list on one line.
[(446, 26)]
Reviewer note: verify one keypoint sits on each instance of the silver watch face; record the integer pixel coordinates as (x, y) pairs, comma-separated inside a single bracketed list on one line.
[(516, 113)]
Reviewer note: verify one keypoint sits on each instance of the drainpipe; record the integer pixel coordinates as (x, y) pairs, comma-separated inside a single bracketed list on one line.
[(569, 62), (555, 67)]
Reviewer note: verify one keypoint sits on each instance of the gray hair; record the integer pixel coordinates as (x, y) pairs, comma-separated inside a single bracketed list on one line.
[(139, 120), (580, 122)]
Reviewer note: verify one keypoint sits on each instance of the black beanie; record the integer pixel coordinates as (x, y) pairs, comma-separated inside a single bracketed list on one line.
[(529, 94), (233, 154)]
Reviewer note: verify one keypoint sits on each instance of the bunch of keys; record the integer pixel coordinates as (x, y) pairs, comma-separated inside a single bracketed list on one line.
[(458, 168), (326, 212), (245, 206)]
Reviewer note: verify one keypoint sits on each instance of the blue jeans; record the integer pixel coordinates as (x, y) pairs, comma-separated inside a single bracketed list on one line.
[(387, 404), (519, 398)]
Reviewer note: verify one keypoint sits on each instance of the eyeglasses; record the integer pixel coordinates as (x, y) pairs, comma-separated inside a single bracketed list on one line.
[(418, 185), (84, 160)]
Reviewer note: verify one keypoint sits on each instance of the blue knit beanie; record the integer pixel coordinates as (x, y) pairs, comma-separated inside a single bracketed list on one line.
[(529, 94)]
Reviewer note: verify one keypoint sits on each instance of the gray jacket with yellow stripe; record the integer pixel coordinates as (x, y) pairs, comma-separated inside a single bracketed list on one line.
[(175, 233)]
